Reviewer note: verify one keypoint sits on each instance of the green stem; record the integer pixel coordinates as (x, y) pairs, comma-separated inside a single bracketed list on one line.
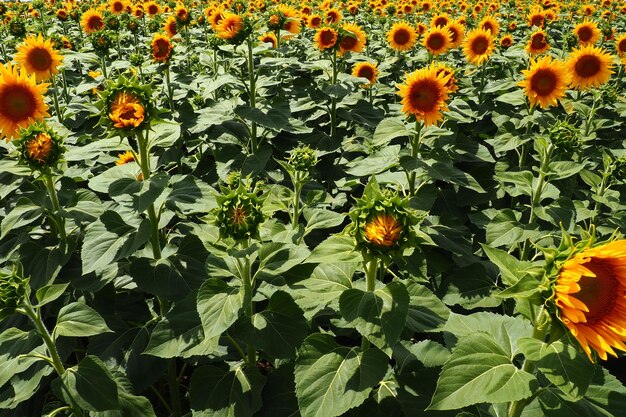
[(170, 91), (333, 99), (415, 149), (172, 383), (248, 287), (299, 184), (103, 64), (55, 97), (539, 331), (237, 346), (592, 113), (57, 218), (144, 163), (252, 90), (371, 268), (163, 401)]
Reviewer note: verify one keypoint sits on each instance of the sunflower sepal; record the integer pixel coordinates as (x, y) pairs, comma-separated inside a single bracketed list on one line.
[(239, 213), (40, 147)]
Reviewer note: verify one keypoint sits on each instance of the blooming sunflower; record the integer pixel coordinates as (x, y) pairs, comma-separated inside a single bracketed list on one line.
[(171, 26), (124, 158), (161, 48), (153, 8), (38, 56), (353, 38), (424, 95), (590, 295), (545, 82), (269, 37), (314, 21), (437, 40), (490, 24), (332, 16), (326, 38), (620, 46), (366, 70), (587, 33), (478, 46), (506, 41), (537, 43), (457, 33), (589, 66), (440, 20), (21, 100), (401, 36), (230, 26), (117, 6), (126, 111), (536, 18), (91, 21)]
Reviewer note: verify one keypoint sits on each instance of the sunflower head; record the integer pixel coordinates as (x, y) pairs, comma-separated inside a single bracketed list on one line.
[(13, 289), (161, 48), (126, 106), (424, 94), (234, 28), (17, 27), (366, 70), (112, 22), (40, 147), (102, 41), (382, 223), (38, 56), (566, 138), (238, 214), (589, 67), (303, 158)]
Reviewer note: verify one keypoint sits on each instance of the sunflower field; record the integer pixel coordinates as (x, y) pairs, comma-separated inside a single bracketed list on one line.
[(312, 208)]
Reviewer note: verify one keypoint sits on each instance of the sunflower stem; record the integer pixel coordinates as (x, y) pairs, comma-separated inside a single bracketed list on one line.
[(55, 97), (170, 92), (592, 113), (333, 99), (172, 383), (144, 163), (539, 331), (252, 80), (248, 287), (57, 219), (298, 185), (103, 64), (415, 150)]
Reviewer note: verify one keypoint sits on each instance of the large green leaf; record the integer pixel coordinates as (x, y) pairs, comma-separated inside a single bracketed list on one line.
[(79, 320), (379, 315), (426, 312), (110, 239), (216, 392), (331, 379), (480, 371), (335, 249), (219, 306), (13, 343), (24, 213), (278, 258), (564, 365)]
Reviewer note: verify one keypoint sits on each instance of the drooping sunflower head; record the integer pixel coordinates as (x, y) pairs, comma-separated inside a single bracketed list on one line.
[(171, 26), (401, 36), (92, 21), (589, 66), (538, 43), (478, 46), (366, 70), (37, 56), (587, 33), (326, 38), (40, 147), (424, 95), (126, 106), (21, 100), (545, 82), (437, 40), (238, 214), (382, 222), (161, 48), (590, 298)]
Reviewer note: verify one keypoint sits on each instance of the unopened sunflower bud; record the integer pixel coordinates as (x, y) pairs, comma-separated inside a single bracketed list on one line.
[(40, 147), (303, 158), (239, 214), (12, 291)]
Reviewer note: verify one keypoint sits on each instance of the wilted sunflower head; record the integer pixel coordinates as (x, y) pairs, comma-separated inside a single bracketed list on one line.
[(238, 213), (13, 289), (382, 222), (40, 147), (126, 106)]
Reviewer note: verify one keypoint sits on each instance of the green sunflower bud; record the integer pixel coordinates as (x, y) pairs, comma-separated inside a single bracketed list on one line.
[(102, 41), (382, 223), (40, 147), (136, 60), (239, 213), (17, 27), (12, 292), (566, 137), (154, 25), (303, 158)]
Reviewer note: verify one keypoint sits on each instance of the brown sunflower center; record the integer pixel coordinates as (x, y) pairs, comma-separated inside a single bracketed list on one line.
[(538, 41), (436, 41), (18, 103), (328, 38), (118, 6), (600, 293), (316, 21), (161, 48), (366, 72), (40, 59), (488, 26), (454, 35), (587, 66), (152, 9), (95, 23), (480, 45), (536, 21), (424, 96), (332, 17), (441, 21), (543, 82), (621, 46), (401, 36), (238, 216), (585, 33), (348, 42)]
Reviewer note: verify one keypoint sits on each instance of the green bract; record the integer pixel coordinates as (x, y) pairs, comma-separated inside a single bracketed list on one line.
[(239, 213), (40, 147), (12, 291), (303, 158)]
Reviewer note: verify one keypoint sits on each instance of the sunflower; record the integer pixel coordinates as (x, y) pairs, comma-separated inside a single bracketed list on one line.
[(62, 14), (437, 40), (587, 33), (448, 73), (126, 111), (440, 20), (326, 38), (117, 6), (490, 24), (590, 296), (124, 158), (536, 18), (478, 46), (215, 18), (424, 94), (620, 45), (353, 38), (153, 8), (589, 66), (366, 70), (506, 41), (545, 82), (92, 21), (383, 230), (401, 36), (230, 26), (537, 43), (332, 16), (457, 33), (39, 148), (315, 21), (269, 37), (161, 48), (21, 100), (171, 26), (37, 56)]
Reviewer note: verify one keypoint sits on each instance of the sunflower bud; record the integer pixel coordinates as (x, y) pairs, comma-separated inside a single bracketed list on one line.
[(382, 222), (154, 25), (303, 158), (126, 106), (102, 41), (40, 147), (12, 291), (239, 213), (17, 27), (566, 137), (136, 60)]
